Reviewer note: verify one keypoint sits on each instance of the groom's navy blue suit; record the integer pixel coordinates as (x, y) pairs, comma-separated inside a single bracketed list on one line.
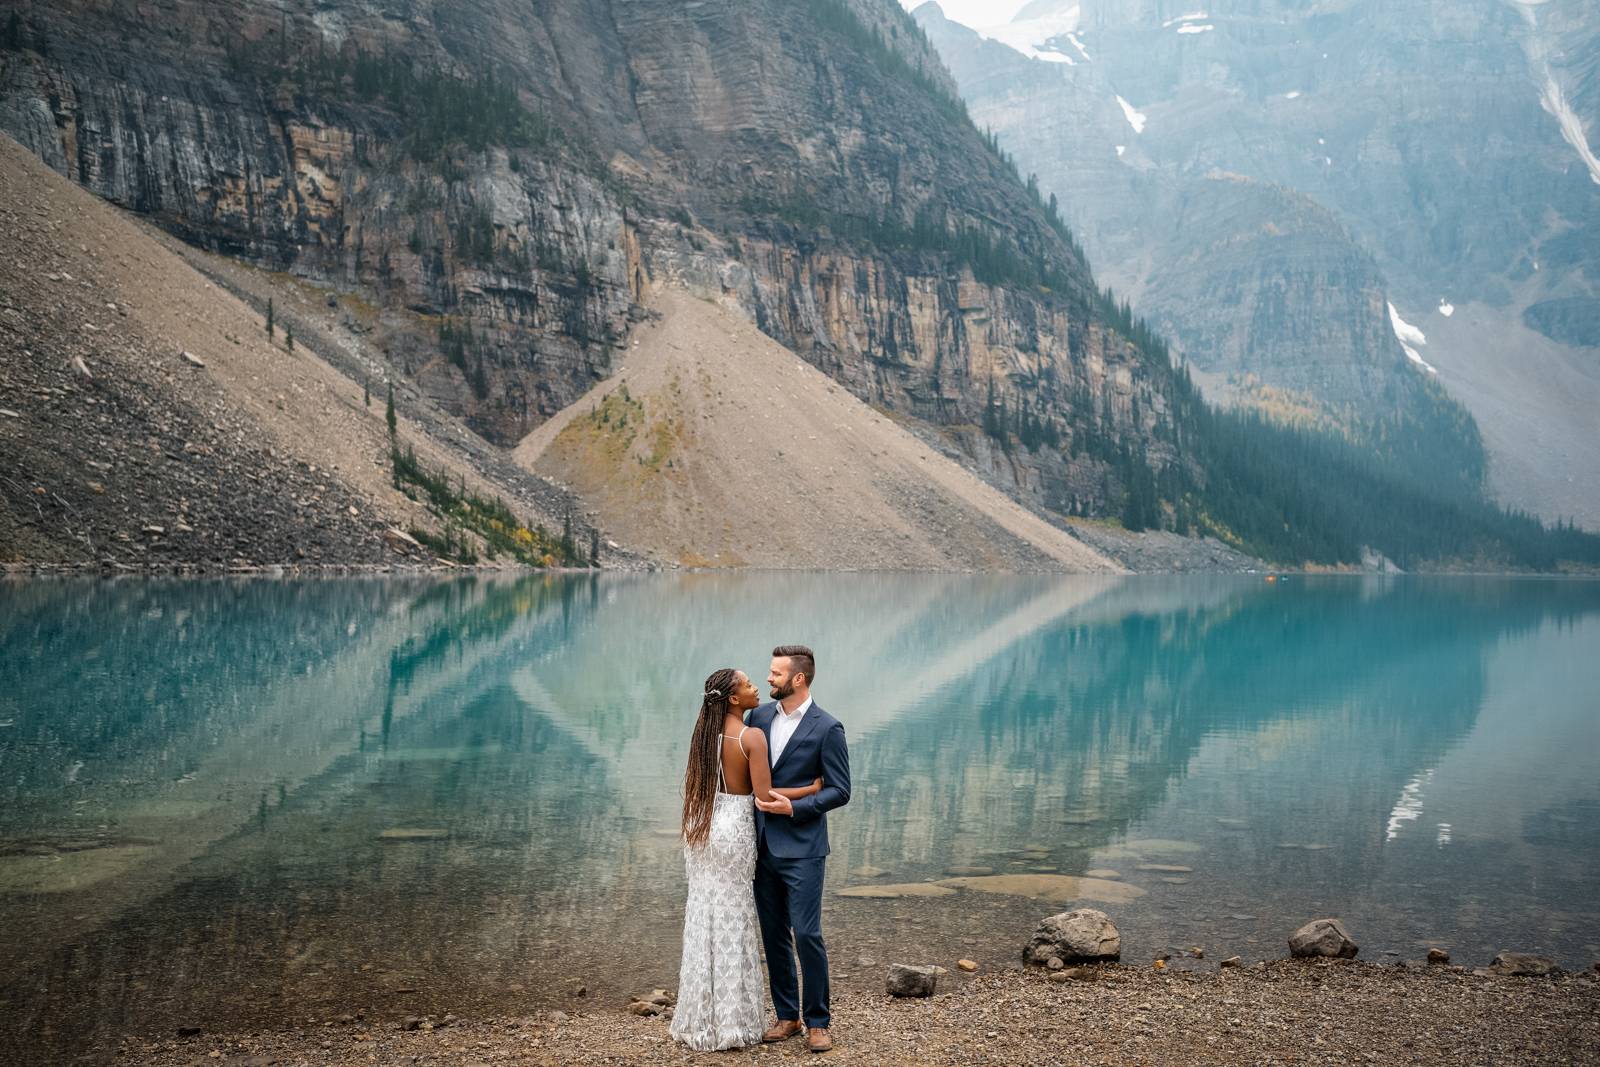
[(791, 858)]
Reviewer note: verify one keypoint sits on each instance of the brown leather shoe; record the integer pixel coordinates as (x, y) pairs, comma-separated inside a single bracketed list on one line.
[(817, 1039), (782, 1030)]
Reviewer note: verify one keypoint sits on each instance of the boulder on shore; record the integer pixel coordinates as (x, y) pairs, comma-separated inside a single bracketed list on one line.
[(1323, 937), (1083, 935), (1523, 964), (907, 981)]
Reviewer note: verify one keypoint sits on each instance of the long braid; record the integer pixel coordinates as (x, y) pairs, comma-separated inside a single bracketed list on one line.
[(705, 746)]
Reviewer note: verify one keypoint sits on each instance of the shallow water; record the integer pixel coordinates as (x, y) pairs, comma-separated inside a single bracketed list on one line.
[(245, 803)]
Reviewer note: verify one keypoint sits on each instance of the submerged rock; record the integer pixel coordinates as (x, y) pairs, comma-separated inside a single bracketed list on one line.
[(1323, 937), (413, 833), (1523, 964), (1080, 936), (894, 892)]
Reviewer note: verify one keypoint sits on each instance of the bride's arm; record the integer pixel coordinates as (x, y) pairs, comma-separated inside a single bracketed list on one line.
[(755, 743)]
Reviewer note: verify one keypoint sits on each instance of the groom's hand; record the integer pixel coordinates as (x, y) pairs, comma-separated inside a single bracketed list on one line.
[(778, 805)]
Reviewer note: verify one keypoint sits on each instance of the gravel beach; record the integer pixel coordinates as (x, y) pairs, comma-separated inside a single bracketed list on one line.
[(1289, 1011)]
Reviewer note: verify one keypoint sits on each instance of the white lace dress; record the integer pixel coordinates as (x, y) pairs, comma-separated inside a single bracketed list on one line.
[(721, 995)]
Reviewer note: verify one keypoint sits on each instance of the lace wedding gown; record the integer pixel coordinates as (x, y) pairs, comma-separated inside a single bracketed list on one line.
[(720, 992)]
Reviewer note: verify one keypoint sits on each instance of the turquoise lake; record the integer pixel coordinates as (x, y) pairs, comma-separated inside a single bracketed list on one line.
[(246, 803)]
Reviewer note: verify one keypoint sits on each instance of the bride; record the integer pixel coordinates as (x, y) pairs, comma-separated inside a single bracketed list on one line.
[(720, 990)]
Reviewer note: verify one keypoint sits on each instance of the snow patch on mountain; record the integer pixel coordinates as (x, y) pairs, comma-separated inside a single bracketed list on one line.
[(1033, 37), (1135, 117), (1407, 333), (1077, 42), (1410, 339), (1446, 308), (1551, 96), (1294, 95), (1197, 16), (1192, 28)]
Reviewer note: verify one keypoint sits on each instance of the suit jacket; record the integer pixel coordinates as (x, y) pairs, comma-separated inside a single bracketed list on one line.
[(817, 750)]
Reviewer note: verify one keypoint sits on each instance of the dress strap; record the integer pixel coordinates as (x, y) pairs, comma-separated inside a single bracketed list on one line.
[(722, 784)]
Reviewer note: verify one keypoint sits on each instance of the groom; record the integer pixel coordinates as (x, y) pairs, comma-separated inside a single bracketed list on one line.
[(806, 743)]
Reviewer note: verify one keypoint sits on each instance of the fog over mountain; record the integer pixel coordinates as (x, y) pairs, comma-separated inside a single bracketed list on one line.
[(1321, 202)]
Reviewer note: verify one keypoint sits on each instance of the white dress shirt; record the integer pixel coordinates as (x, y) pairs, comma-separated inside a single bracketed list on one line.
[(784, 724)]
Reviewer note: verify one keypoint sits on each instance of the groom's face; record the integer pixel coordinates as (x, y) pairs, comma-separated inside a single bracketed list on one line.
[(780, 679)]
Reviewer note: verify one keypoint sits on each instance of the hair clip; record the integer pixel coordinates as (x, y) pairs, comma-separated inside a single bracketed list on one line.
[(712, 693)]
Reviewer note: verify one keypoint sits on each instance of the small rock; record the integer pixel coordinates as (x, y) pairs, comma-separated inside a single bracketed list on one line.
[(1322, 937), (189, 1030), (1232, 961), (1197, 952), (1060, 976), (660, 998), (193, 360), (1523, 964), (905, 980), (559, 1017), (411, 1022), (1054, 963), (967, 965), (640, 1007), (1438, 955), (866, 961), (9, 414)]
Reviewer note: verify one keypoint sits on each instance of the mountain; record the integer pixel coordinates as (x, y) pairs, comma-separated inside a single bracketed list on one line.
[(808, 160), (148, 421), (1410, 175)]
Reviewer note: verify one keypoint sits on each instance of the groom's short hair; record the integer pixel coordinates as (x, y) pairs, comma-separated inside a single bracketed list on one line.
[(801, 661)]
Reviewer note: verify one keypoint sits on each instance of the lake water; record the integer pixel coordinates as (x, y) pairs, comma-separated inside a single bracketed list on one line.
[(247, 803)]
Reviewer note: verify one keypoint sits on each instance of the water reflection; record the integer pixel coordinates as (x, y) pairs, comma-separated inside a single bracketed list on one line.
[(243, 803)]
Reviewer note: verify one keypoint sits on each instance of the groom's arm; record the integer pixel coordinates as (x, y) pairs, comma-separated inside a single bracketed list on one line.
[(835, 792)]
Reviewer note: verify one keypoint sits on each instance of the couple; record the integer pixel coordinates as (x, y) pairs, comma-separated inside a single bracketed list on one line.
[(755, 853)]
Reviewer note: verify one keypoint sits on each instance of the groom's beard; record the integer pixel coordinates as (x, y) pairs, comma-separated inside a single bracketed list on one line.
[(780, 692)]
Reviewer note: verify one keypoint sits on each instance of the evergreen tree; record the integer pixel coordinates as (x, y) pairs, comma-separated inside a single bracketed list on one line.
[(288, 337), (388, 413), (269, 318), (366, 392), (594, 546)]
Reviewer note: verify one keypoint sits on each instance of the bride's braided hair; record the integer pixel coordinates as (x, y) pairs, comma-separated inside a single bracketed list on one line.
[(700, 778)]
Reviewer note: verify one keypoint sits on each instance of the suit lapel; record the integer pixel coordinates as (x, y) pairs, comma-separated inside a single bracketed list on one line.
[(763, 722), (804, 730)]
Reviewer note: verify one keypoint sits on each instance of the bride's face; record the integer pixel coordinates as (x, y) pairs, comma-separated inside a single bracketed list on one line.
[(745, 695)]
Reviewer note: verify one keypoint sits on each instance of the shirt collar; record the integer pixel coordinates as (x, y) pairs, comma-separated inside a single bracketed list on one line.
[(797, 713)]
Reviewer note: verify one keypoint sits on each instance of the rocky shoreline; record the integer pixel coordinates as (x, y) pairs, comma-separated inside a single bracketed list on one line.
[(1286, 1011)]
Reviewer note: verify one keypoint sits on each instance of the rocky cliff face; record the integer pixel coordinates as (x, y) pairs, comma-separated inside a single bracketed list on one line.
[(1431, 155), (507, 183)]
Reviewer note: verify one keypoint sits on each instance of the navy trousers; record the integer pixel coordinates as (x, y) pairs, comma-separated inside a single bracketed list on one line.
[(789, 898)]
